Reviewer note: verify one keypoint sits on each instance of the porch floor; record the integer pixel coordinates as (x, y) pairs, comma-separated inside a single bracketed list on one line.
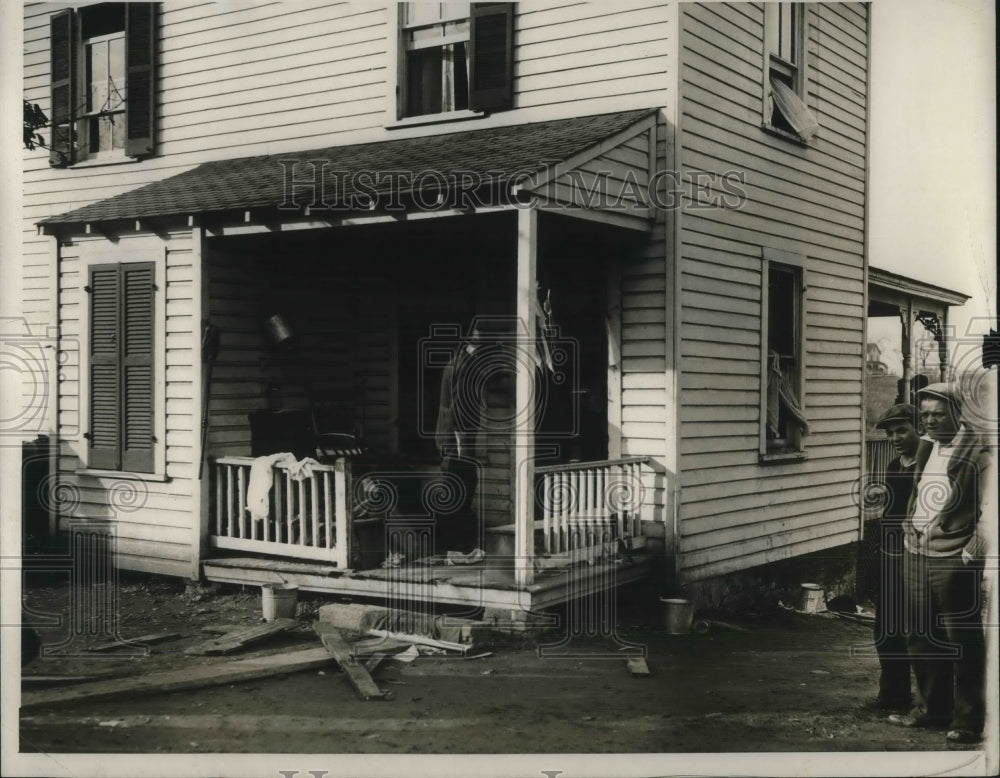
[(488, 583)]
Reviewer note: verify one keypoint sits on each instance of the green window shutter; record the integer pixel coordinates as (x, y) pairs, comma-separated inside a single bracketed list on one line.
[(140, 63), (137, 289), (62, 111), (105, 387), (491, 53)]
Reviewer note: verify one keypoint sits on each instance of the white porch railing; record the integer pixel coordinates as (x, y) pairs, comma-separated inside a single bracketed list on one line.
[(591, 505), (306, 519)]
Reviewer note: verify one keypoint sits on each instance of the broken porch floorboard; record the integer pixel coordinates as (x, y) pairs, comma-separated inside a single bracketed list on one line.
[(334, 643), (210, 674)]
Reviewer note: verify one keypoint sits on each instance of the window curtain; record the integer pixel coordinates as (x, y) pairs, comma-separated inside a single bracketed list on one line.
[(780, 394)]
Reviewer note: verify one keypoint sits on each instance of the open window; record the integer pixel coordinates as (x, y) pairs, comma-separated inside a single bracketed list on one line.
[(785, 73), (454, 58), (102, 61), (783, 418)]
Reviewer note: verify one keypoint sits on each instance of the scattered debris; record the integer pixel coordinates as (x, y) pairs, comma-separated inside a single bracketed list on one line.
[(408, 655), (144, 640), (371, 646), (334, 643), (480, 656), (421, 640), (213, 674), (394, 559), (234, 641), (637, 667), (820, 672)]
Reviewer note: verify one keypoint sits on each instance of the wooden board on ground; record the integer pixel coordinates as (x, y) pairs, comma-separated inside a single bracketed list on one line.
[(212, 674), (420, 640), (234, 641), (637, 667), (373, 646), (144, 640), (334, 642)]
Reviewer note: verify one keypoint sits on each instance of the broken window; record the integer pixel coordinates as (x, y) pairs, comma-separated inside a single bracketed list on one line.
[(784, 420), (785, 35)]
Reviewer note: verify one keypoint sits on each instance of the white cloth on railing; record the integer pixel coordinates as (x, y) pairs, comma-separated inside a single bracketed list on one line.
[(262, 479)]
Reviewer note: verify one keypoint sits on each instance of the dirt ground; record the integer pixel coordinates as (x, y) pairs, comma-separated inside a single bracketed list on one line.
[(791, 682)]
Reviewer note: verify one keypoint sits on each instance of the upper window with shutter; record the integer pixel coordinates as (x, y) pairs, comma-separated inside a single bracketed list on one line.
[(121, 367), (454, 57), (102, 67)]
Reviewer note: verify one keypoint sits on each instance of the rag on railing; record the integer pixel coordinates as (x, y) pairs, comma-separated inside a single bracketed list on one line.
[(780, 393), (262, 479)]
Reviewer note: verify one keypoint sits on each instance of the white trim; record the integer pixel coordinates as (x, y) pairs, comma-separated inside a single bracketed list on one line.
[(125, 253), (435, 118)]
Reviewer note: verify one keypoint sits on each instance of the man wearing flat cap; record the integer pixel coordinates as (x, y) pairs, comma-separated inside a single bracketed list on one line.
[(942, 570), (900, 425)]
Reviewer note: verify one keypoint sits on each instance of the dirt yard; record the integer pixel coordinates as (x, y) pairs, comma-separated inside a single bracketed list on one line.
[(791, 682)]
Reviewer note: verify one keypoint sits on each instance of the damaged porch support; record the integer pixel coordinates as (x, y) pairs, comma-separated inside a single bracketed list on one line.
[(524, 431)]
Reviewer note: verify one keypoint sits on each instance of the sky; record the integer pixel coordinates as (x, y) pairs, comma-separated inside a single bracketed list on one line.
[(933, 149)]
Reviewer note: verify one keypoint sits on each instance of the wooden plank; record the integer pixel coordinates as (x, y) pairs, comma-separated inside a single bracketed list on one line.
[(144, 640), (637, 667), (212, 674), (234, 641), (334, 643), (419, 640)]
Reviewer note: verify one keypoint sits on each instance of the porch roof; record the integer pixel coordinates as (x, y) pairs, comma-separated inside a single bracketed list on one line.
[(500, 156)]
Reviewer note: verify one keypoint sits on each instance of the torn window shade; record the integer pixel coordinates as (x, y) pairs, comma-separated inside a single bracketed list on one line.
[(791, 107), (782, 404)]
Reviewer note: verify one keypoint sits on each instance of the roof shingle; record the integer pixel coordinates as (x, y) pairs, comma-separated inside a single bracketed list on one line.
[(259, 182)]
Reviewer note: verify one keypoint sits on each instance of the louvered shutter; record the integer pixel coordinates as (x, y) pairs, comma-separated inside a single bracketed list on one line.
[(491, 52), (137, 366), (105, 405), (140, 66), (62, 113)]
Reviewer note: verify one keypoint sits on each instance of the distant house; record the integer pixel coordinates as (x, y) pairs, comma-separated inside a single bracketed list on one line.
[(873, 362), (683, 184)]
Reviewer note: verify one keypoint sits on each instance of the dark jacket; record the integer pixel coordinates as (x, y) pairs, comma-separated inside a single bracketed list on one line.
[(956, 526)]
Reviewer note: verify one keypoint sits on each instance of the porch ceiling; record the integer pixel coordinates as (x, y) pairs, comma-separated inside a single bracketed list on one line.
[(500, 160)]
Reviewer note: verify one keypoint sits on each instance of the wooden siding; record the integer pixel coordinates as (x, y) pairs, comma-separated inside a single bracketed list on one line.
[(735, 512), (152, 518), (260, 77)]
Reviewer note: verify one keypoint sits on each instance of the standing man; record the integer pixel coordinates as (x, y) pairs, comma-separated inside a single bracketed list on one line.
[(459, 419), (943, 572), (900, 425)]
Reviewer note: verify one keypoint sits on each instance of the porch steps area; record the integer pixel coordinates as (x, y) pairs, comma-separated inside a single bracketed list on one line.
[(490, 584)]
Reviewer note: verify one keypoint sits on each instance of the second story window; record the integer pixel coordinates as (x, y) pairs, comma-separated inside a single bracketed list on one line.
[(436, 45), (104, 59), (785, 74), (102, 89), (454, 57)]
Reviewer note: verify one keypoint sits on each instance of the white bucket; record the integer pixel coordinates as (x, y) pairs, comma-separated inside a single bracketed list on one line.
[(678, 615), (278, 601), (812, 598)]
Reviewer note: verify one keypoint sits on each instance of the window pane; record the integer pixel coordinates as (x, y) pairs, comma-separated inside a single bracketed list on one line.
[(423, 69), (97, 67), (422, 13), (116, 73), (781, 313)]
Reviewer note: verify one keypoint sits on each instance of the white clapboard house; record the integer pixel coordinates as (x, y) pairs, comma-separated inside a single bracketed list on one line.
[(258, 221)]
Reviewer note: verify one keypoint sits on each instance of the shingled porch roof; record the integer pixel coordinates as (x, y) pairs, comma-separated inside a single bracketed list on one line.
[(501, 154)]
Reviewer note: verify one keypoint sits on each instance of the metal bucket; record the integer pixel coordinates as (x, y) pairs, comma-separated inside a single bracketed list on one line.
[(812, 598), (278, 601), (678, 615)]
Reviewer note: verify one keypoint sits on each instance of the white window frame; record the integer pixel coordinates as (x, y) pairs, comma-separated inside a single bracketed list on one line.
[(111, 155), (396, 98), (799, 71), (125, 255), (796, 263)]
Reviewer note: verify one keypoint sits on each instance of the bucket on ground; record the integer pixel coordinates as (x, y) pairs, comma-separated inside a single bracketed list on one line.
[(278, 601), (812, 598), (678, 615)]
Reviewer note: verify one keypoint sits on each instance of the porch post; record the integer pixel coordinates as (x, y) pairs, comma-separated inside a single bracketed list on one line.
[(943, 345), (906, 314), (524, 432)]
